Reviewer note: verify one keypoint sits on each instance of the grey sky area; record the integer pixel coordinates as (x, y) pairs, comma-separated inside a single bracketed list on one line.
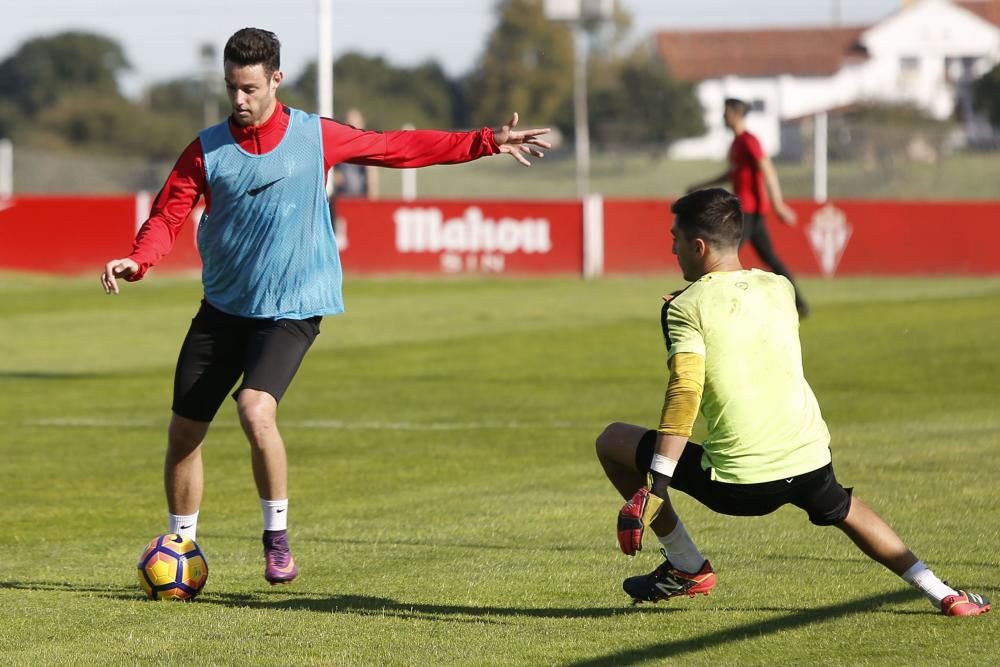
[(162, 39)]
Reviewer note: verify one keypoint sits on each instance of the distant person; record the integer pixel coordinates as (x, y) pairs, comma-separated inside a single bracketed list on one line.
[(752, 176), (733, 352), (271, 268), (355, 180)]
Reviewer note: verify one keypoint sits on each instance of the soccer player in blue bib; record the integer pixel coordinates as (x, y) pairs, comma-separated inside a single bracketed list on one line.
[(733, 353), (270, 265)]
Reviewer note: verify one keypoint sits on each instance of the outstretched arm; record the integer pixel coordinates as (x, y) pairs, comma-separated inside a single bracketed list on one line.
[(421, 148), (519, 143)]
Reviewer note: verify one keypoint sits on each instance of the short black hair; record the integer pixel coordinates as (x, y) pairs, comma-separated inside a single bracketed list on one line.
[(737, 105), (253, 46), (713, 215)]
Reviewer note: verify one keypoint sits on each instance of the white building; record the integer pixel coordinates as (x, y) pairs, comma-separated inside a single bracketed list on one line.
[(925, 54)]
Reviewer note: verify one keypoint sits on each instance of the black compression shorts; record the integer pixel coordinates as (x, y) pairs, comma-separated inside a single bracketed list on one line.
[(817, 492), (219, 348)]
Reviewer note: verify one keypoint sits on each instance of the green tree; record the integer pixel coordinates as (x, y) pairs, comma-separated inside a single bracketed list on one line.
[(388, 96), (636, 100), (45, 69), (526, 67), (186, 99), (986, 92), (98, 123)]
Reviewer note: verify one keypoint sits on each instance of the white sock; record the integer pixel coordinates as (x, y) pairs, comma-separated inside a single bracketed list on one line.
[(920, 577), (185, 525), (681, 551), (275, 514)]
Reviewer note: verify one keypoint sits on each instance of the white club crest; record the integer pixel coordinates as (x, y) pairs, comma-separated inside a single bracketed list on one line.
[(829, 233)]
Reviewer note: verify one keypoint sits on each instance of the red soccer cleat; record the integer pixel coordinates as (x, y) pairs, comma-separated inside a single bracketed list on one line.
[(965, 604), (667, 582)]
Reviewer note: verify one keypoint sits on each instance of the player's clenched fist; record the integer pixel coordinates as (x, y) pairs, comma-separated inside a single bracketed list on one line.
[(634, 518)]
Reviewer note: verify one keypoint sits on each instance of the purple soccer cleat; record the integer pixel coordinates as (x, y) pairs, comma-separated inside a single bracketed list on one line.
[(280, 567)]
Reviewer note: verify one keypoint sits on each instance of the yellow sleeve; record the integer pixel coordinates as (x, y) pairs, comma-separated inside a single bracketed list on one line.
[(684, 391)]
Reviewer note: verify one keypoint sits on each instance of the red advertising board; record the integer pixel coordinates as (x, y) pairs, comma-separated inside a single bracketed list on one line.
[(63, 235), (450, 237), (72, 235), (837, 238)]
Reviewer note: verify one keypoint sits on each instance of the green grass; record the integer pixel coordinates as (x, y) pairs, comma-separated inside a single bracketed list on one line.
[(962, 176), (623, 173), (447, 507)]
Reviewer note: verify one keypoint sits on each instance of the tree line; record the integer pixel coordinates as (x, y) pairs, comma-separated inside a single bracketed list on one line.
[(62, 92)]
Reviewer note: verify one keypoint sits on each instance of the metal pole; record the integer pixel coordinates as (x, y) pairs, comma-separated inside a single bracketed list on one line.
[(409, 176), (324, 69), (6, 169), (324, 60), (582, 129), (820, 157), (209, 70)]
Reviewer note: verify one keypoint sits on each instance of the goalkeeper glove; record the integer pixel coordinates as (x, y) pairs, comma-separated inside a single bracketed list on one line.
[(635, 517)]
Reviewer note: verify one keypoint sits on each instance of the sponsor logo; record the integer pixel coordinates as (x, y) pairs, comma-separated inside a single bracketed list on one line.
[(427, 230), (829, 233), (470, 242), (253, 192)]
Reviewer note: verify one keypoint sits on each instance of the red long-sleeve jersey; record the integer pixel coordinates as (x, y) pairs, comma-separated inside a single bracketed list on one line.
[(186, 183)]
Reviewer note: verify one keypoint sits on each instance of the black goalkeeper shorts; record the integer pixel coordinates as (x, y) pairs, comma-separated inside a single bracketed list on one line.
[(219, 348), (817, 492)]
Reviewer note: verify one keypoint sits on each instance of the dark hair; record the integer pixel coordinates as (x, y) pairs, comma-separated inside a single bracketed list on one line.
[(713, 215), (737, 105), (253, 46)]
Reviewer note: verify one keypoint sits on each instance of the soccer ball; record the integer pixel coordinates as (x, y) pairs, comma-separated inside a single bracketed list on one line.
[(172, 568)]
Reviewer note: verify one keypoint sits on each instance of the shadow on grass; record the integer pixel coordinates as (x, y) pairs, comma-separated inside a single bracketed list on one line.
[(795, 618), (291, 600), (430, 543), (49, 375), (378, 606)]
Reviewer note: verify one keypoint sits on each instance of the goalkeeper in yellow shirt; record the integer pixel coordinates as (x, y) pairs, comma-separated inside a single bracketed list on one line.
[(733, 353)]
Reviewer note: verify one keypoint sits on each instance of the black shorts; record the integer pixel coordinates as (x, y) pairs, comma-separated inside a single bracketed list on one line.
[(219, 348), (817, 492)]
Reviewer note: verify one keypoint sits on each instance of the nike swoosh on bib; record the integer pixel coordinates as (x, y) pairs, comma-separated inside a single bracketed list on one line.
[(253, 192)]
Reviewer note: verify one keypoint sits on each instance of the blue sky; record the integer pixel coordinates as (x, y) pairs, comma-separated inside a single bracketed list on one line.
[(162, 39)]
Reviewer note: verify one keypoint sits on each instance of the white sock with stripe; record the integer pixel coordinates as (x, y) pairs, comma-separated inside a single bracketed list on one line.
[(920, 577)]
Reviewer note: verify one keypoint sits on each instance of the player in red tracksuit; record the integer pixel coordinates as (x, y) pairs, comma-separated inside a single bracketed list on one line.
[(753, 177), (270, 265), (341, 143)]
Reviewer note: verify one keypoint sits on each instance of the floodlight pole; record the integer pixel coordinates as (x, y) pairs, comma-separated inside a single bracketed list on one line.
[(324, 67), (580, 113), (209, 70)]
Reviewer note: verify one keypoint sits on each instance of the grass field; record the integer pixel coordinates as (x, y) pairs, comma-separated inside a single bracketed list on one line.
[(446, 504)]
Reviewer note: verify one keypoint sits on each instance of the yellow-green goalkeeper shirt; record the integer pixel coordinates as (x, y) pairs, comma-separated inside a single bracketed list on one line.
[(763, 420)]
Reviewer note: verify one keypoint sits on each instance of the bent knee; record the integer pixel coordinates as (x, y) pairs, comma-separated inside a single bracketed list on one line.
[(618, 442)]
